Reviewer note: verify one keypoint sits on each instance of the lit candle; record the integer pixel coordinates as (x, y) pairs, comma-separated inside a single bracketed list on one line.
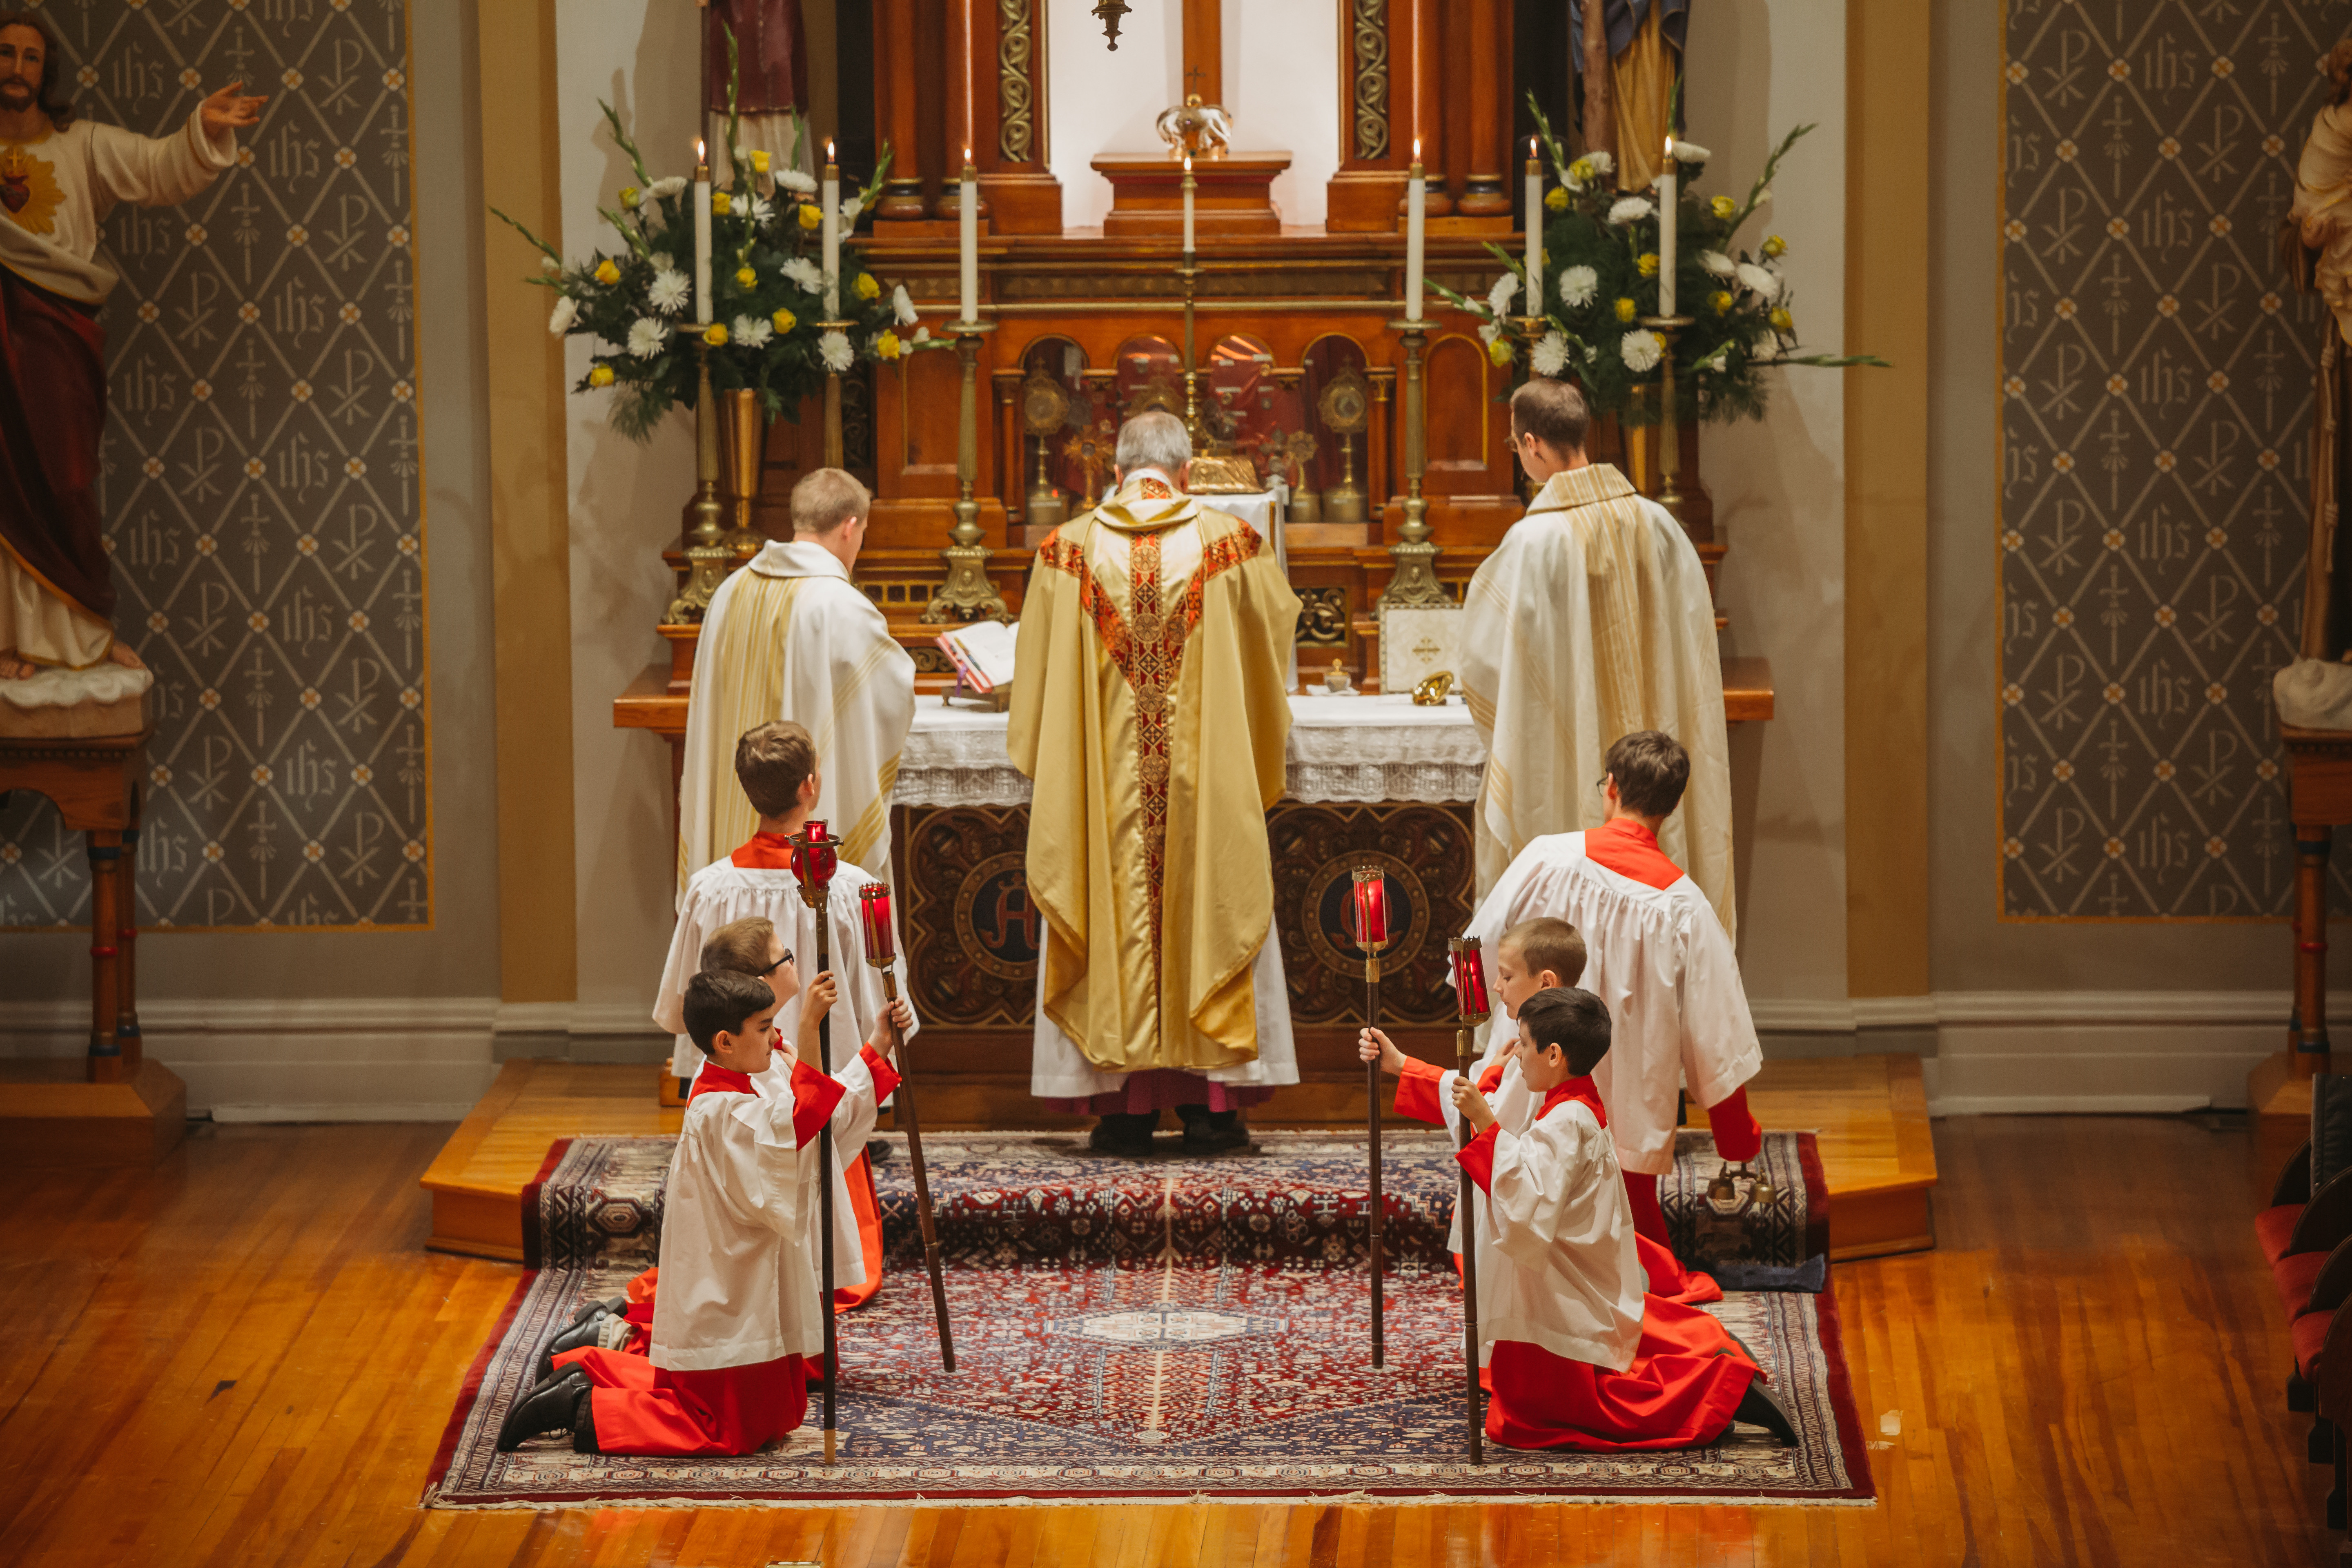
[(1416, 232), (1371, 890), (701, 234), (1188, 204), (830, 194), (1535, 232), (1668, 212), (968, 233)]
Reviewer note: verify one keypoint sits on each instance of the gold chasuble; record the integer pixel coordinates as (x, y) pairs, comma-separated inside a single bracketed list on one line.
[(1150, 710)]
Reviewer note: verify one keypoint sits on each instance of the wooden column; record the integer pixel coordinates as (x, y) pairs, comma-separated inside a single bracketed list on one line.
[(897, 101), (1366, 192), (972, 109), (1023, 197), (1205, 50), (1484, 193), (1427, 119)]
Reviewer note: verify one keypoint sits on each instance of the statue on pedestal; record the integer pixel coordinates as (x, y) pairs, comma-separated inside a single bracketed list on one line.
[(60, 177)]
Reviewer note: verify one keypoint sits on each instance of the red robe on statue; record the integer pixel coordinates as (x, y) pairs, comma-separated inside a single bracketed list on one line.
[(52, 412)]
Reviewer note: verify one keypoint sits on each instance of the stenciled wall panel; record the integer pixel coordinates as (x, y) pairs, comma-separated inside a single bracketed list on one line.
[(2156, 408), (262, 476)]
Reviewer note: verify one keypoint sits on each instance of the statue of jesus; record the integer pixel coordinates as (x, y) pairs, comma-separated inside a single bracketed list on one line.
[(60, 177)]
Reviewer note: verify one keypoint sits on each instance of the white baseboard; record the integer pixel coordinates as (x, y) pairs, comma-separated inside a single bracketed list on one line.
[(389, 1060)]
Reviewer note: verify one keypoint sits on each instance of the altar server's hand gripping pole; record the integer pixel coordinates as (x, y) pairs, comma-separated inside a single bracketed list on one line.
[(1470, 1001), (1372, 912), (814, 857), (882, 953)]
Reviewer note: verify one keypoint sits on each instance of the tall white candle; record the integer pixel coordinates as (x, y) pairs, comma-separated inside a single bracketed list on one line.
[(1669, 210), (701, 236), (1416, 232), (1188, 204), (1535, 232), (830, 194), (968, 237)]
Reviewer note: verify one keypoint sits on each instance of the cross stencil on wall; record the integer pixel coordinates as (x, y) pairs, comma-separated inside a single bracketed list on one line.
[(2155, 396), (261, 476)]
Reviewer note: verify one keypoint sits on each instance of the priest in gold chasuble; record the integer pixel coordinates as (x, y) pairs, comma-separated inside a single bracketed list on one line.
[(1150, 710)]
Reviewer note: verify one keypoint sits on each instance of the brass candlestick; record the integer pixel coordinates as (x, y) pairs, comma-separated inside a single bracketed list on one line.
[(1414, 580), (967, 594), (1670, 428), (706, 557), (832, 401)]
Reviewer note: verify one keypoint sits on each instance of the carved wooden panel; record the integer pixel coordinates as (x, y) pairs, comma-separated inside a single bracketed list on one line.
[(971, 932), (1367, 87)]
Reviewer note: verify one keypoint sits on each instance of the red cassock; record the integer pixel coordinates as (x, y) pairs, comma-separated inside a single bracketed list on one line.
[(1558, 1255)]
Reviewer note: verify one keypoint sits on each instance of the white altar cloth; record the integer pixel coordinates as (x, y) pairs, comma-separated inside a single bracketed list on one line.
[(1351, 748)]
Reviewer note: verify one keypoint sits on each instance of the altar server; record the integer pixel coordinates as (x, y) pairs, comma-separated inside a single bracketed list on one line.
[(777, 768), (1591, 619), (1663, 965), (1151, 709), (1577, 1354), (789, 637)]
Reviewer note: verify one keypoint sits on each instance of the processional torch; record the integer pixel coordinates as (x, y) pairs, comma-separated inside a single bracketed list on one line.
[(1471, 1010), (1371, 910), (814, 856), (882, 953)]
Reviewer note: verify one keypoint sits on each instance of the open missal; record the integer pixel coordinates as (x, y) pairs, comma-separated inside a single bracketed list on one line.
[(981, 653)]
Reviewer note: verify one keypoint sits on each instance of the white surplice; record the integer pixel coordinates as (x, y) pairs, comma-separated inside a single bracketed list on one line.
[(1589, 621), (724, 892), (1664, 967), (739, 1251), (790, 636)]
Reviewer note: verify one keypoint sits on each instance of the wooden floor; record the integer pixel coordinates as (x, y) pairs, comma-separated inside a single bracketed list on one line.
[(247, 1356), (1869, 1114)]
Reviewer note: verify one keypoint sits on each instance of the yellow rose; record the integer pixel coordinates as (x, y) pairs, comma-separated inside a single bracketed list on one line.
[(784, 321), (1624, 309), (1723, 207), (1647, 265), (629, 194), (722, 203), (1580, 171), (747, 278), (759, 160), (886, 345), (1499, 350), (606, 273), (1782, 321), (1556, 198), (601, 376), (866, 287), (1776, 248), (811, 219), (715, 335), (1721, 302)]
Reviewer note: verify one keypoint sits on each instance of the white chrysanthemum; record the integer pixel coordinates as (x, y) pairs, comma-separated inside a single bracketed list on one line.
[(566, 311), (1767, 346), (834, 348), (1576, 287), (901, 307), (1690, 152), (1550, 356), (1640, 350), (647, 337), (851, 206), (1630, 209), (793, 180), (669, 292), (751, 331), (1505, 290), (805, 275), (759, 210), (922, 334), (1715, 262), (1767, 287), (1488, 331), (1602, 162), (669, 187)]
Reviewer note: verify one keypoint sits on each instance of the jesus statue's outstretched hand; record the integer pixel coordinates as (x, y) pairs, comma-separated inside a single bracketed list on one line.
[(228, 110)]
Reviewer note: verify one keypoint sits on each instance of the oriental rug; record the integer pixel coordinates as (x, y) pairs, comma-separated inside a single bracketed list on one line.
[(1125, 1331)]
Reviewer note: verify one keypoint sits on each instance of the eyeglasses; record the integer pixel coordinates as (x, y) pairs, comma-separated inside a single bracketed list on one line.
[(778, 964)]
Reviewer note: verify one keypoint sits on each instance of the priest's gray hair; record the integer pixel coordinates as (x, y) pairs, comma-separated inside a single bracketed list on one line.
[(826, 499), (1156, 439)]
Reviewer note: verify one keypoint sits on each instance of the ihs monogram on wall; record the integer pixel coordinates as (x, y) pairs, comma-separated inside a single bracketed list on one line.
[(2156, 389), (260, 476)]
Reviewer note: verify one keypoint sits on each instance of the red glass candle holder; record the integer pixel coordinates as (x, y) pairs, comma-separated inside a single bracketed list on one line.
[(816, 856), (1469, 978), (1371, 893), (874, 915)]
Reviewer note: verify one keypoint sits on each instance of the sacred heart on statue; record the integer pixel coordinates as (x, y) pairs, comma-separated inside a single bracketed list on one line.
[(16, 180)]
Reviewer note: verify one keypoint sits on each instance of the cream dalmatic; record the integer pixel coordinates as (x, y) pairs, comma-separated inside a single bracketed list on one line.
[(1664, 967), (789, 637), (739, 1262), (1589, 621)]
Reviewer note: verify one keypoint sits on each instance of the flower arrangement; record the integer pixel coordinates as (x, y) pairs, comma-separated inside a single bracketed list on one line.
[(767, 292), (1601, 260)]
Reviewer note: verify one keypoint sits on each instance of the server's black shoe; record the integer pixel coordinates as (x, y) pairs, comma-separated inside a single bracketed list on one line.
[(1762, 1407), (1208, 1131), (614, 1305), (546, 1408), (581, 1334), (1122, 1133)]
